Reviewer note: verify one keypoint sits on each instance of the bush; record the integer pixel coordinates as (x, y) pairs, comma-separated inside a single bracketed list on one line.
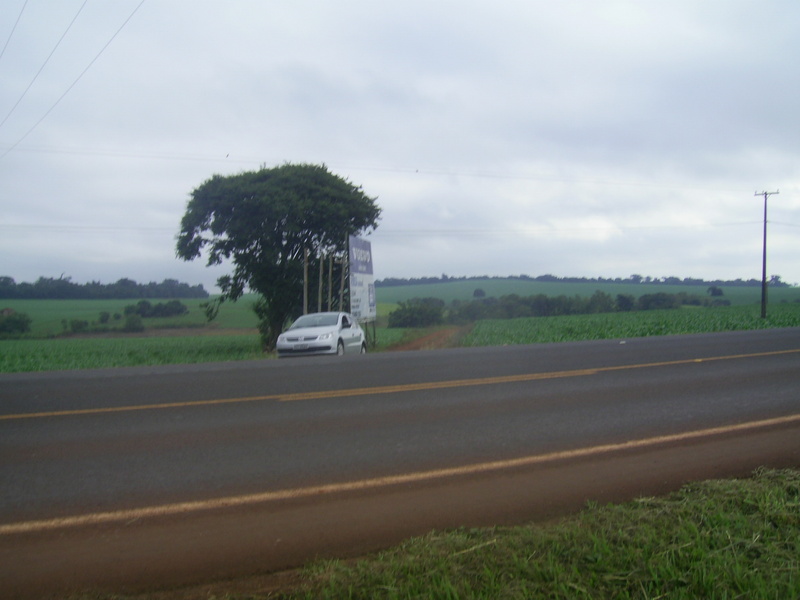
[(418, 312), (133, 323), (78, 325), (14, 324), (145, 309), (600, 302), (659, 301), (625, 302)]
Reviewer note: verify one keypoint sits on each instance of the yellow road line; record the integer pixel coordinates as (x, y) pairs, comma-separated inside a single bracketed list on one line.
[(135, 514), (389, 389)]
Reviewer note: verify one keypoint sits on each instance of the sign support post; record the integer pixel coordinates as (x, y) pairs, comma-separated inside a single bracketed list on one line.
[(362, 284)]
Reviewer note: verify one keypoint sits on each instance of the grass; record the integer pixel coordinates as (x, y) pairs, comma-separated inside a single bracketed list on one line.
[(716, 539), (719, 539)]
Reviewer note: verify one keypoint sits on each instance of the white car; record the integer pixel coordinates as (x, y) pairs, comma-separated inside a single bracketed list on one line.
[(323, 333)]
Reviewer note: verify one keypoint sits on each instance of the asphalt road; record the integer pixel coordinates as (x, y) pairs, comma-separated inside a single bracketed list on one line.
[(125, 479)]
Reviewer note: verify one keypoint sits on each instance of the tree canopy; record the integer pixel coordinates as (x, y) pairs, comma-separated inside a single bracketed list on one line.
[(263, 222)]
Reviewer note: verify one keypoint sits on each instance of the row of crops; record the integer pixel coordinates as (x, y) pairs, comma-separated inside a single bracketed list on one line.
[(95, 353), (539, 330)]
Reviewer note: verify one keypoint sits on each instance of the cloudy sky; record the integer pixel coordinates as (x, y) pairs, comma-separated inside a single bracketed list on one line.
[(576, 138)]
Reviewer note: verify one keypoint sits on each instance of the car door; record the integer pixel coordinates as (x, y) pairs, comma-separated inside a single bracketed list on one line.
[(349, 335)]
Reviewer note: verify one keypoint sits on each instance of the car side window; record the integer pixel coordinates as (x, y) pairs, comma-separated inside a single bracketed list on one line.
[(345, 322)]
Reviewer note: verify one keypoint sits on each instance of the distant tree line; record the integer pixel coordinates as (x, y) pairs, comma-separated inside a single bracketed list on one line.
[(775, 280), (63, 288), (426, 312)]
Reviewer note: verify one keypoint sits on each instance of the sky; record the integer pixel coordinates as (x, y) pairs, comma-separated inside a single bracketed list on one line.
[(578, 138)]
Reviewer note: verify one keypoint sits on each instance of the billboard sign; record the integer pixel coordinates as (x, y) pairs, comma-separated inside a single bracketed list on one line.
[(363, 305)]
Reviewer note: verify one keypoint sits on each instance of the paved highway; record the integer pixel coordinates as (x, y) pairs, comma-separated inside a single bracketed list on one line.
[(124, 478)]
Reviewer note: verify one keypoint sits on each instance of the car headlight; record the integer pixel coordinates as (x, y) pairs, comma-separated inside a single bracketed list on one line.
[(325, 336)]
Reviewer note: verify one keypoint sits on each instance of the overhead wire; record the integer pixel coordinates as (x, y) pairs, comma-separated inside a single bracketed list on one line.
[(392, 233), (13, 29), (77, 79), (412, 171), (44, 64)]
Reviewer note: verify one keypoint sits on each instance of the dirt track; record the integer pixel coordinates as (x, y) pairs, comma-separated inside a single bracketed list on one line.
[(442, 338)]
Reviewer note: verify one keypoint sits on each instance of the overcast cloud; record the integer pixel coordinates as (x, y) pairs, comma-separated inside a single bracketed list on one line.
[(577, 138)]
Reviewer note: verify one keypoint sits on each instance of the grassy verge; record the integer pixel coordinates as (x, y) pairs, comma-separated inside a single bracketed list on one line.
[(716, 539), (719, 539)]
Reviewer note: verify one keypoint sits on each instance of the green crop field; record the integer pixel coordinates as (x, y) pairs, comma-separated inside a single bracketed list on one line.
[(495, 288), (48, 315), (537, 330), (97, 352), (188, 339)]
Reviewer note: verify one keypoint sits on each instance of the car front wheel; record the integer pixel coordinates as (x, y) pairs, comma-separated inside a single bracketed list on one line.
[(340, 348)]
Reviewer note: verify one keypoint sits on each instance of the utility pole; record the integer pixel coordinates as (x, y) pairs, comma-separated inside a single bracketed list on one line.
[(764, 256), (305, 281), (321, 280), (330, 281)]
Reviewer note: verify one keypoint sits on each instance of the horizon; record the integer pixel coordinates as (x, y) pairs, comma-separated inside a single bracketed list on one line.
[(444, 278)]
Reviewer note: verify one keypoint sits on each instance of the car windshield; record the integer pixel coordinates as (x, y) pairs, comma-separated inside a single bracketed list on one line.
[(320, 320)]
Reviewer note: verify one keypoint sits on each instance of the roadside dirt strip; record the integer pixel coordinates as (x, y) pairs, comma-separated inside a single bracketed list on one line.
[(182, 544)]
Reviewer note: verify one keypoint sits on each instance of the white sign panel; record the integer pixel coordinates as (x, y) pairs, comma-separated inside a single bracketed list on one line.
[(362, 281)]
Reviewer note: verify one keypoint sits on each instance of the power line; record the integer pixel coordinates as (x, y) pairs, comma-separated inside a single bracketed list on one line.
[(385, 169), (68, 228), (128, 154), (60, 98), (35, 77), (13, 29), (545, 229)]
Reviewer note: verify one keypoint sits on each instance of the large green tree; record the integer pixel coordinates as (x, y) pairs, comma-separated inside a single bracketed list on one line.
[(263, 222)]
